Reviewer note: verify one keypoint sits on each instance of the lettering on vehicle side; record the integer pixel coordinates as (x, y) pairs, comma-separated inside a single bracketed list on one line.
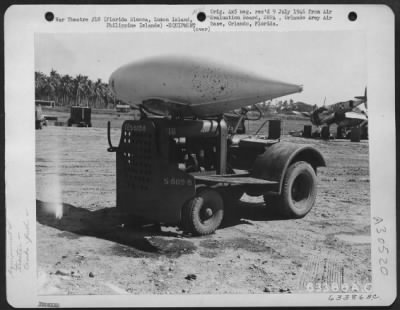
[(135, 128), (171, 131), (177, 181)]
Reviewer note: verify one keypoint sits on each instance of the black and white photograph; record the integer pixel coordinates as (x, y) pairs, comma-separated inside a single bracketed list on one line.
[(221, 163)]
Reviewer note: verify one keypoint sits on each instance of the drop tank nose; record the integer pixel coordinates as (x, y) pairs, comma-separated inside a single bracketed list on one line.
[(288, 87), (278, 88)]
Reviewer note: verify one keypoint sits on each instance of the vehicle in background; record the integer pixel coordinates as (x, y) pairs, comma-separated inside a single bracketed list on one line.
[(80, 116), (46, 103), (40, 120), (123, 108)]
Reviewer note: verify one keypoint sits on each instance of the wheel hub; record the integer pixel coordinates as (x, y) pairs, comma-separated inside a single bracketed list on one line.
[(300, 189), (208, 212)]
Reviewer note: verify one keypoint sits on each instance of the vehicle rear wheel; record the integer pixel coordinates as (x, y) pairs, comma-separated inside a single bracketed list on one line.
[(299, 191), (203, 214)]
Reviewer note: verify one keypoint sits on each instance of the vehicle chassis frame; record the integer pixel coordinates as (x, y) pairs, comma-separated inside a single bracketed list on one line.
[(150, 184)]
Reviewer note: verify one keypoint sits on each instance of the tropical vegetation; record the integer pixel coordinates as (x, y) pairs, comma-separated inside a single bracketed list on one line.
[(66, 90)]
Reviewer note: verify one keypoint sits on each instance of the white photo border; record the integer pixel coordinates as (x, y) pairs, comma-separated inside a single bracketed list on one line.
[(22, 22)]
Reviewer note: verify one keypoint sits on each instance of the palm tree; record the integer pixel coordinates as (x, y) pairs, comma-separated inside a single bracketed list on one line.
[(99, 90), (40, 85), (54, 85), (80, 88), (67, 90)]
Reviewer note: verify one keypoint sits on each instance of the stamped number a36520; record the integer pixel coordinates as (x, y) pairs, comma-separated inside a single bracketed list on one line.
[(383, 250)]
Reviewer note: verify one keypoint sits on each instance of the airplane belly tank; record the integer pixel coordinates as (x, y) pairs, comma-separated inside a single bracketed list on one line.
[(193, 87)]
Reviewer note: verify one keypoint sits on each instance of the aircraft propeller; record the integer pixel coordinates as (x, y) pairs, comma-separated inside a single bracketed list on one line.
[(364, 98)]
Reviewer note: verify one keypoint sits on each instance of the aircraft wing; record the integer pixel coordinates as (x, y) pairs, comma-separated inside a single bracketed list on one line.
[(355, 115), (305, 114)]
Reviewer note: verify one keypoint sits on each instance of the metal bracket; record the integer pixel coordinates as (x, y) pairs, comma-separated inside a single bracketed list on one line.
[(111, 148)]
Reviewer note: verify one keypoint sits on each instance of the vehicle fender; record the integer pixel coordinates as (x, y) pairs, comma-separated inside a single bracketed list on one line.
[(274, 162)]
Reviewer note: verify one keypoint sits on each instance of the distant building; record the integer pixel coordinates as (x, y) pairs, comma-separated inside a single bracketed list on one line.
[(123, 108), (46, 103)]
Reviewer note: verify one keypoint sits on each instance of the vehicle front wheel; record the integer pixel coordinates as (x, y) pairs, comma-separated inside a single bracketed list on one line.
[(299, 190), (203, 214)]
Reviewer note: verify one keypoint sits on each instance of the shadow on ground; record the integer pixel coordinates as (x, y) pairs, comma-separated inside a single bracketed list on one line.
[(244, 212), (138, 240)]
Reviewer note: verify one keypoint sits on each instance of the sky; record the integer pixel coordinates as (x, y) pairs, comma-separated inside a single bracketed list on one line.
[(329, 64)]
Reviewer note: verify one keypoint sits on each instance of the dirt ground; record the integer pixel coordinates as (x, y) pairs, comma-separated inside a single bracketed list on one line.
[(87, 250)]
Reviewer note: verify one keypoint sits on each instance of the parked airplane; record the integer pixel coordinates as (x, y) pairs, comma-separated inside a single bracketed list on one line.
[(188, 87), (346, 114)]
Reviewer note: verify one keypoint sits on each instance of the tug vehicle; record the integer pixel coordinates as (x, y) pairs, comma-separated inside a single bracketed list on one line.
[(187, 160)]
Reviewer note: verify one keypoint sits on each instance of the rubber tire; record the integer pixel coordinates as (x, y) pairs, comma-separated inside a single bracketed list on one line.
[(284, 203), (191, 221)]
